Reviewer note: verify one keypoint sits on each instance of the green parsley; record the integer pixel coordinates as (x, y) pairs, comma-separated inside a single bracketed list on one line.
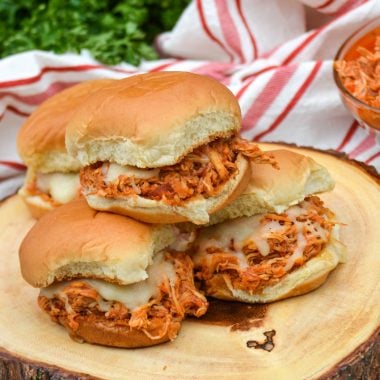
[(113, 31)]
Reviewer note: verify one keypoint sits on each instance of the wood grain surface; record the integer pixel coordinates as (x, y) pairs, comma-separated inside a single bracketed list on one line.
[(332, 332)]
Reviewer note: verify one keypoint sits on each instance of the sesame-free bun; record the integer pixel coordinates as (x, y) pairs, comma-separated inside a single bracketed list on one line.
[(41, 139), (196, 210), (272, 190), (152, 120), (302, 280), (76, 241), (105, 333)]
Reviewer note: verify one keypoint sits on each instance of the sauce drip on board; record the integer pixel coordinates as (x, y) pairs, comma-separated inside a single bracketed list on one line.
[(236, 315)]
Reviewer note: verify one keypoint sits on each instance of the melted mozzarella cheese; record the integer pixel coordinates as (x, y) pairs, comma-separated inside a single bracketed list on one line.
[(183, 241), (63, 187), (319, 230), (132, 296), (240, 231), (242, 260), (294, 212), (301, 244), (243, 230), (115, 170)]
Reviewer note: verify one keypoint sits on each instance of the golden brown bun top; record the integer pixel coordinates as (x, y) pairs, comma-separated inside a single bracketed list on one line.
[(152, 120), (76, 241), (297, 175), (44, 131), (272, 190)]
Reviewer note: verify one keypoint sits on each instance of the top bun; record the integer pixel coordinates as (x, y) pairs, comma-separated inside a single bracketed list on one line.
[(152, 120), (272, 190), (76, 241), (41, 139)]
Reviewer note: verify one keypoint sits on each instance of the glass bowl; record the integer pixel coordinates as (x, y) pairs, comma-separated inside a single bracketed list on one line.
[(367, 116)]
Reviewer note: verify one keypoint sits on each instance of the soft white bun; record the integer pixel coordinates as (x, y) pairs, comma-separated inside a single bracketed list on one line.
[(41, 139), (105, 332), (196, 211), (152, 120), (272, 190), (76, 241), (304, 279)]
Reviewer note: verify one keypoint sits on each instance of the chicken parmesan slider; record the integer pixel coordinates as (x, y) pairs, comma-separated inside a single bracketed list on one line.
[(108, 279), (162, 147), (53, 176), (276, 240), (274, 190)]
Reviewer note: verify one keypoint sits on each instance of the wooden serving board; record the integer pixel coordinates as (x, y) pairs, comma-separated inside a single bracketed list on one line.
[(332, 332)]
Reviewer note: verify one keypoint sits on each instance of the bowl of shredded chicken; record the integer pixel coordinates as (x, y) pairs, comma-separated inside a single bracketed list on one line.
[(357, 74)]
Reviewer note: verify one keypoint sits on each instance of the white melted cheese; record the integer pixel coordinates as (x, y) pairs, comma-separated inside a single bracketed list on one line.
[(113, 172), (183, 241), (317, 229), (63, 187), (240, 230), (250, 229), (301, 244), (132, 296), (242, 260), (295, 211)]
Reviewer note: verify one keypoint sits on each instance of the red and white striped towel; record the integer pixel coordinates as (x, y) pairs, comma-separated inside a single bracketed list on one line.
[(280, 72)]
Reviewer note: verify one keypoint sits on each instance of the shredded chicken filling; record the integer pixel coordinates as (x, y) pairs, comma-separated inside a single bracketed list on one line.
[(200, 173), (315, 226), (361, 77), (161, 316)]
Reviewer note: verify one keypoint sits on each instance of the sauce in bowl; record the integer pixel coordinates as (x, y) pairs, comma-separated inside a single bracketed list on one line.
[(359, 70), (357, 74)]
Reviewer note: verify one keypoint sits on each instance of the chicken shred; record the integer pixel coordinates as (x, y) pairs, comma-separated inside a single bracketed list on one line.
[(263, 271), (161, 316), (361, 76), (200, 173)]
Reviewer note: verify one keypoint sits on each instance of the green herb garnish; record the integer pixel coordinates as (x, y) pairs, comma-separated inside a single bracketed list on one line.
[(113, 31)]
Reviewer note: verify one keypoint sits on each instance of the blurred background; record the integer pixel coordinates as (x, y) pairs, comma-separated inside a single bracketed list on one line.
[(113, 31)]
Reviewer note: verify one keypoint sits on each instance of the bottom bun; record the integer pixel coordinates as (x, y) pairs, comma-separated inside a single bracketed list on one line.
[(104, 333), (306, 278), (36, 204), (197, 211)]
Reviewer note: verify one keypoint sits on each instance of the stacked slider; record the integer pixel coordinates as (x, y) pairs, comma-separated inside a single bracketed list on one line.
[(164, 149), (109, 279), (112, 280), (277, 240)]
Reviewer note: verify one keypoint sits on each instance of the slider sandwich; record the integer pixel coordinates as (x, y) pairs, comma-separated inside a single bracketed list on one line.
[(108, 279), (162, 148), (288, 249), (272, 190), (53, 176)]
